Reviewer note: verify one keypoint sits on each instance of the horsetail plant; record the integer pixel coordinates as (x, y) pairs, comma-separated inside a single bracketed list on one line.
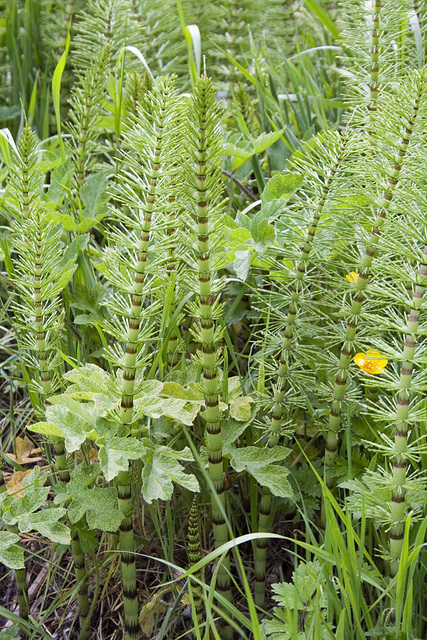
[(391, 494), (410, 97), (331, 151), (378, 45), (205, 206), (40, 274), (84, 117), (143, 190)]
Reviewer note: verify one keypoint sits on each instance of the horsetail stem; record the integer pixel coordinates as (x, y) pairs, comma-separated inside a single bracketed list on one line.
[(127, 557), (33, 225), (173, 355), (331, 450), (206, 168), (44, 354), (398, 498), (81, 580), (134, 322), (124, 478), (375, 56), (194, 555), (266, 501)]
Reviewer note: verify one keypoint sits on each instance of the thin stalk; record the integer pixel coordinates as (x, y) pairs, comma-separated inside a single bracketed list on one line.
[(124, 479), (173, 355), (331, 450), (265, 506), (204, 116), (400, 466), (194, 555), (375, 56)]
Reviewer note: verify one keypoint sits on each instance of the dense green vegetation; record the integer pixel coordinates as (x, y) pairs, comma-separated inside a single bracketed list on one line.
[(213, 250)]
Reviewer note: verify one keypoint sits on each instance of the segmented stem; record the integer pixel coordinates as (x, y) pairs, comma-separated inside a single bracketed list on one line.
[(398, 499), (133, 344), (194, 555), (127, 557), (205, 117), (173, 213), (375, 56), (81, 580), (265, 507), (331, 450)]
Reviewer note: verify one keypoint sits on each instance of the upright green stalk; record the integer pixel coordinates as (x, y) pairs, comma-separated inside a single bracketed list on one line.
[(85, 114), (173, 227), (205, 156), (358, 297), (265, 505), (398, 499), (132, 354), (38, 272), (194, 555), (375, 56)]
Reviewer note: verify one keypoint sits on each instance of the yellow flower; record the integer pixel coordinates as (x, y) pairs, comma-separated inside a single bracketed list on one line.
[(352, 277), (371, 361)]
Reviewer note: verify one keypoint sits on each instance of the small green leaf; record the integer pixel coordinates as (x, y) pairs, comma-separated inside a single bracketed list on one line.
[(242, 264), (173, 408), (11, 554), (88, 540), (76, 420), (175, 390), (281, 186), (46, 429), (161, 469), (46, 523), (258, 461), (266, 140), (12, 633), (94, 196), (273, 477), (115, 454), (240, 408), (231, 430), (306, 580)]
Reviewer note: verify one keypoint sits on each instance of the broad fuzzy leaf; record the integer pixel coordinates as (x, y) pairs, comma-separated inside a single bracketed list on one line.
[(173, 408), (162, 469), (100, 507), (46, 523), (258, 462), (115, 454)]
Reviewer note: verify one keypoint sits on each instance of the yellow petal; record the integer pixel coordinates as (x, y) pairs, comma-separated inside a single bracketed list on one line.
[(360, 359), (352, 277)]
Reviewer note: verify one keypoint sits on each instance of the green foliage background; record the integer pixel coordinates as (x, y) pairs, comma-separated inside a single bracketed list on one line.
[(207, 209)]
